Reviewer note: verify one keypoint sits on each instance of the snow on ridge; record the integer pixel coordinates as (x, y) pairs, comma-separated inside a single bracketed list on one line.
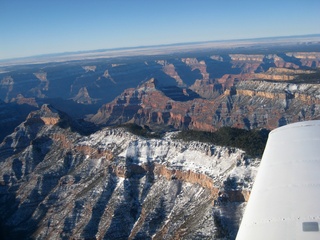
[(215, 161)]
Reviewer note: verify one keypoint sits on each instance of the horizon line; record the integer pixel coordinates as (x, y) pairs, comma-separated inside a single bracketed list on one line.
[(57, 54)]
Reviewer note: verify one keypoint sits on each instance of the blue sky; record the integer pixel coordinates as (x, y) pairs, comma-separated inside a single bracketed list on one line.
[(30, 27)]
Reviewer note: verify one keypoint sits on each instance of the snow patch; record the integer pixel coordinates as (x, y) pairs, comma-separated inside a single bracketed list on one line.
[(214, 161)]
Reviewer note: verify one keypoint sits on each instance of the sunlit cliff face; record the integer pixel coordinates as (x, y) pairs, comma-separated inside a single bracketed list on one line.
[(61, 177), (57, 183)]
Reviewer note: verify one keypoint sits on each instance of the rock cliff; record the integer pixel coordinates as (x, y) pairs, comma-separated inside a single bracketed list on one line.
[(309, 59), (83, 96), (103, 80), (281, 74), (57, 184), (247, 104)]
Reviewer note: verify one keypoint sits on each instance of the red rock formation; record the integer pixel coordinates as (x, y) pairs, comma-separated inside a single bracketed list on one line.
[(309, 59), (249, 104), (20, 99), (281, 74), (248, 63)]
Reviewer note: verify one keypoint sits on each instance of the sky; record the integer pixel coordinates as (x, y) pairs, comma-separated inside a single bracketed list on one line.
[(34, 27)]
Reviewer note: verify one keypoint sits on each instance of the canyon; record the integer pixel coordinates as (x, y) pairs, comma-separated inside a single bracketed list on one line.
[(56, 183), (248, 104), (70, 169), (202, 93)]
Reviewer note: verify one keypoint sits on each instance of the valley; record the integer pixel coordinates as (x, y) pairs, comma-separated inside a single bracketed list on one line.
[(71, 167)]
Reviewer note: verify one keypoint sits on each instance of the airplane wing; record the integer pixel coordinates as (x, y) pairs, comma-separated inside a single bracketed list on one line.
[(285, 199)]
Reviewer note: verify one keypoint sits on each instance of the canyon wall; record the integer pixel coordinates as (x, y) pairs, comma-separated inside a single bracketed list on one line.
[(55, 183)]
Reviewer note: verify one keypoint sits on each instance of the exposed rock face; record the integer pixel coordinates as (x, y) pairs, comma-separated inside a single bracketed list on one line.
[(148, 105), (248, 63), (47, 114), (205, 88), (83, 96), (270, 105), (56, 183), (274, 60), (247, 58), (195, 64), (309, 59), (248, 104), (170, 70), (20, 100), (117, 76), (107, 75), (42, 76), (207, 76), (113, 185), (281, 74)]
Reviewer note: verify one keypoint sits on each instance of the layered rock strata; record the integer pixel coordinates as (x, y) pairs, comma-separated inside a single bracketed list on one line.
[(248, 104), (57, 184)]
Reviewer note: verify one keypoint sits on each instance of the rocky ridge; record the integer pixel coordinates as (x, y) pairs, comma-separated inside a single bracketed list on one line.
[(83, 96), (221, 99), (104, 80), (281, 74), (248, 104), (309, 59), (56, 183)]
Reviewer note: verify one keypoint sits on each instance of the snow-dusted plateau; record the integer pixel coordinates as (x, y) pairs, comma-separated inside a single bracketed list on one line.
[(112, 184)]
